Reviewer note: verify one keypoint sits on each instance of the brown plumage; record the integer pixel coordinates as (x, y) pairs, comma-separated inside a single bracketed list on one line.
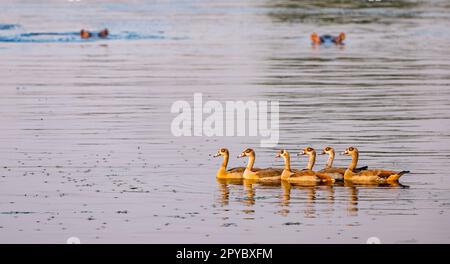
[(368, 176), (223, 173), (303, 176), (336, 172), (256, 173)]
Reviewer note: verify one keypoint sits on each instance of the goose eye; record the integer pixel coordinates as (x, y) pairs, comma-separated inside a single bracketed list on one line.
[(309, 149), (281, 151), (248, 151), (327, 148), (350, 148), (223, 150)]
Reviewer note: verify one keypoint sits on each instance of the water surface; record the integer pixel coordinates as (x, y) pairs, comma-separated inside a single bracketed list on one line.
[(87, 151)]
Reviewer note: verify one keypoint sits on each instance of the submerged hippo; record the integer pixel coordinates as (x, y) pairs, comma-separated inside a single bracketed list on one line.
[(86, 34), (327, 39)]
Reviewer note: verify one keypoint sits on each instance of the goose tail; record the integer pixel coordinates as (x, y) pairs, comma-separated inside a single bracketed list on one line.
[(395, 177)]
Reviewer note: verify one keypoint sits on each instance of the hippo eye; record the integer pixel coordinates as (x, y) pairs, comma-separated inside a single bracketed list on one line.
[(350, 148)]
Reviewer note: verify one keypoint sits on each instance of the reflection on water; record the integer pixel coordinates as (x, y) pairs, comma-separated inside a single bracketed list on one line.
[(353, 201), (86, 146), (308, 194)]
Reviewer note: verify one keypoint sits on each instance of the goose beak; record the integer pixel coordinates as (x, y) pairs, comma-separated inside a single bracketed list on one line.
[(301, 153), (344, 153), (278, 155), (322, 153), (241, 155), (216, 155)]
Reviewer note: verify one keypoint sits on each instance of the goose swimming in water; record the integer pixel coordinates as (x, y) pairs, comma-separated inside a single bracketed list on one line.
[(255, 173), (223, 173), (336, 172), (305, 176), (368, 176)]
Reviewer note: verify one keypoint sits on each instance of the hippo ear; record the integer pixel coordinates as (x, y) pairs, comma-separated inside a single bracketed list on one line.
[(315, 38)]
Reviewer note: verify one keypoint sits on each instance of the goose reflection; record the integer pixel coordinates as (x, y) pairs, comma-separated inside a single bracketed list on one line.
[(308, 193), (250, 188), (286, 195), (352, 206), (287, 187), (224, 189), (353, 193)]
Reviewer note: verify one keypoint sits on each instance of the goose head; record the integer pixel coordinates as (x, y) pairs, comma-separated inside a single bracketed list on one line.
[(307, 151), (327, 150), (282, 154), (350, 151), (247, 153), (221, 152)]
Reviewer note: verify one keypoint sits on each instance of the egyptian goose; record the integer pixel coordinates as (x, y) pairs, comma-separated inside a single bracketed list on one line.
[(223, 173), (336, 172), (368, 176), (255, 173), (303, 176)]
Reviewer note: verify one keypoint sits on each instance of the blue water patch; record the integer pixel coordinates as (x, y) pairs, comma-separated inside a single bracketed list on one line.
[(8, 26), (65, 37)]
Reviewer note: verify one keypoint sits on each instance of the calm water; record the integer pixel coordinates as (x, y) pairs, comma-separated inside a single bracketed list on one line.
[(86, 148)]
